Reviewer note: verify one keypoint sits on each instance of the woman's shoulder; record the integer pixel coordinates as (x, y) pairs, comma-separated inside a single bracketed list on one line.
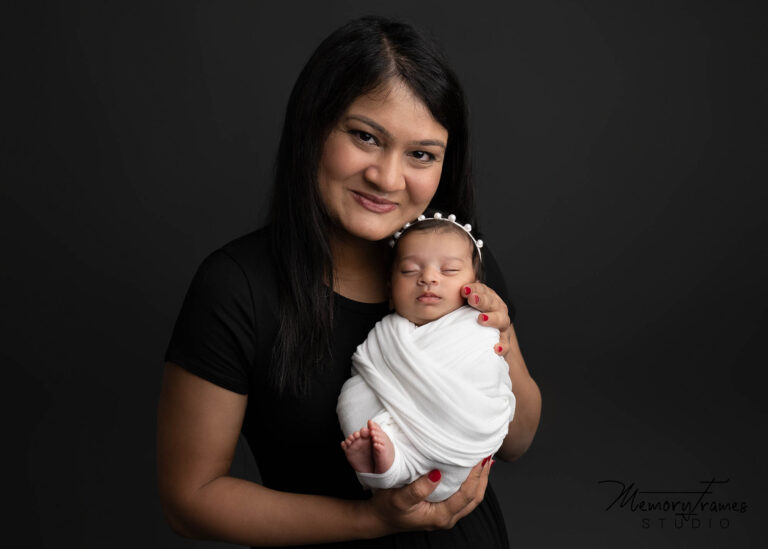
[(248, 250), (237, 276), (247, 257), (228, 314)]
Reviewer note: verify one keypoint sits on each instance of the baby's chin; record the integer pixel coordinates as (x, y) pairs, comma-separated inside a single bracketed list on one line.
[(418, 321), (421, 320)]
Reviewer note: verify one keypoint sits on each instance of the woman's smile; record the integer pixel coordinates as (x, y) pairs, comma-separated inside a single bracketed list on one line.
[(373, 203)]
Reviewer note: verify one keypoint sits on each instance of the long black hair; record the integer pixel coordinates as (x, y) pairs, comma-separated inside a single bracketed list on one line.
[(354, 60)]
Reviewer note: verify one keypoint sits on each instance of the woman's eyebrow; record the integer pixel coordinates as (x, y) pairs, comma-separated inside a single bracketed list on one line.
[(379, 128), (371, 123)]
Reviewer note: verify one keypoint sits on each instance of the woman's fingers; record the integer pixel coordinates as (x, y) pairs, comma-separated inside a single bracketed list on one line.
[(505, 342), (493, 313), (469, 496), (473, 293), (485, 300), (406, 509), (417, 491)]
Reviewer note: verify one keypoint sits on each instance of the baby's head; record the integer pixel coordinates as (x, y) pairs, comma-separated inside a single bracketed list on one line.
[(433, 260)]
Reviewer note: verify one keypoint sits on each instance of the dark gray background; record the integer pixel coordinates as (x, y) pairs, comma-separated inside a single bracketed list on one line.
[(620, 150)]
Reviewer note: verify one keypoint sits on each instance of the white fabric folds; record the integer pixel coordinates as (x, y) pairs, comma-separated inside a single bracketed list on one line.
[(439, 391)]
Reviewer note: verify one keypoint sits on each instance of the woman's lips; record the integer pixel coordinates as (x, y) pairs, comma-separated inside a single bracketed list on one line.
[(373, 203)]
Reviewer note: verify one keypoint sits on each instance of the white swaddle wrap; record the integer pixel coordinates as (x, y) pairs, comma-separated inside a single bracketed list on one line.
[(439, 391)]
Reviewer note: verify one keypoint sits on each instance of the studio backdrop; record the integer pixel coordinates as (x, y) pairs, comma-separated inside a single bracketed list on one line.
[(619, 160)]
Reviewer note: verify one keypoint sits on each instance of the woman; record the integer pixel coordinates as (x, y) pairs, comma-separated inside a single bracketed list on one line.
[(375, 131)]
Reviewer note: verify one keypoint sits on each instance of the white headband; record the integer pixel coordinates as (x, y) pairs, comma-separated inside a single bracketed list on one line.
[(467, 228)]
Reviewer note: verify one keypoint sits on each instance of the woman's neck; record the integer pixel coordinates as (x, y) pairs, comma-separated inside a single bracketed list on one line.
[(360, 268)]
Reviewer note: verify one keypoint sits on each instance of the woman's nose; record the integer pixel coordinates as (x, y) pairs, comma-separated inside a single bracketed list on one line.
[(386, 172)]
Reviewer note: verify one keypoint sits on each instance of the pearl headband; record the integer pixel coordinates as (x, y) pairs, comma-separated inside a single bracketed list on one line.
[(467, 228)]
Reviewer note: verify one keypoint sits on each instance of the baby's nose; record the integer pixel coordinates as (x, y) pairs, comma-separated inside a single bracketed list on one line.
[(428, 277)]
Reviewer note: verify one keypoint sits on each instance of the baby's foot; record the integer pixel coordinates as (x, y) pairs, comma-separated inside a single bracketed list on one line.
[(383, 449), (357, 448)]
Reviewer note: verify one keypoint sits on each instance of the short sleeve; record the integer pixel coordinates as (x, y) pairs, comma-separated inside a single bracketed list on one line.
[(494, 279), (214, 335)]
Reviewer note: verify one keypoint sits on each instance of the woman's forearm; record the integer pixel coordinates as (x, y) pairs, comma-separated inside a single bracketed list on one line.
[(525, 423), (523, 427), (240, 511), (243, 512), (198, 426)]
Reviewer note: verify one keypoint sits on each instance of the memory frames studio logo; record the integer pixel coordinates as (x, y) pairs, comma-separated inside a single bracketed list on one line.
[(706, 508)]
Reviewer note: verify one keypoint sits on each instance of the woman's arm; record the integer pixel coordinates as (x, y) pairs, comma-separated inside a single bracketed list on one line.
[(198, 426), (523, 427), (525, 423)]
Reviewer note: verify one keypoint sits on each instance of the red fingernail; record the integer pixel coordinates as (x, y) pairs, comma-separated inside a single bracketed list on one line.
[(485, 460), (484, 317), (434, 475), (477, 299), (500, 348), (467, 290), (492, 462)]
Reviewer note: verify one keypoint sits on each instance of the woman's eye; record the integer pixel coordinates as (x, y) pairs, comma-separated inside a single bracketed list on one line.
[(423, 156), (365, 137)]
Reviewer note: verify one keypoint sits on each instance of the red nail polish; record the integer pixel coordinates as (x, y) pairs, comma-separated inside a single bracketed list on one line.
[(500, 348), (485, 460), (467, 290), (434, 475), (484, 317), (477, 299)]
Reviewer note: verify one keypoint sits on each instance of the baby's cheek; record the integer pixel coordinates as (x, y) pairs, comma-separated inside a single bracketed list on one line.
[(461, 296)]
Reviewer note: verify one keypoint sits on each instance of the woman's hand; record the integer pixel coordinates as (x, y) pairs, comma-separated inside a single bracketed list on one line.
[(525, 423), (493, 313), (406, 508)]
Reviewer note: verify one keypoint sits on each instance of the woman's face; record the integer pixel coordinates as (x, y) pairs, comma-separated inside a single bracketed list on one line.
[(381, 163)]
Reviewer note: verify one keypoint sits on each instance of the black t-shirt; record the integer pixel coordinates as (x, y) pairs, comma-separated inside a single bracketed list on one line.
[(224, 333)]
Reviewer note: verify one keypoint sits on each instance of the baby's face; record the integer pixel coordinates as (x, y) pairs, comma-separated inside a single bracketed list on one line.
[(428, 275)]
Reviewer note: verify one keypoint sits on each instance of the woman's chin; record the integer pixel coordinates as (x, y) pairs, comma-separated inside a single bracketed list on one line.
[(372, 232)]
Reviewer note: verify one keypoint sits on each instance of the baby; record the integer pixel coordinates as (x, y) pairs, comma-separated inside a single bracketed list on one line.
[(426, 385)]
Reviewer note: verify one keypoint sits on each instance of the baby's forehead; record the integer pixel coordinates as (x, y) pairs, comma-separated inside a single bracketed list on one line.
[(434, 241)]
